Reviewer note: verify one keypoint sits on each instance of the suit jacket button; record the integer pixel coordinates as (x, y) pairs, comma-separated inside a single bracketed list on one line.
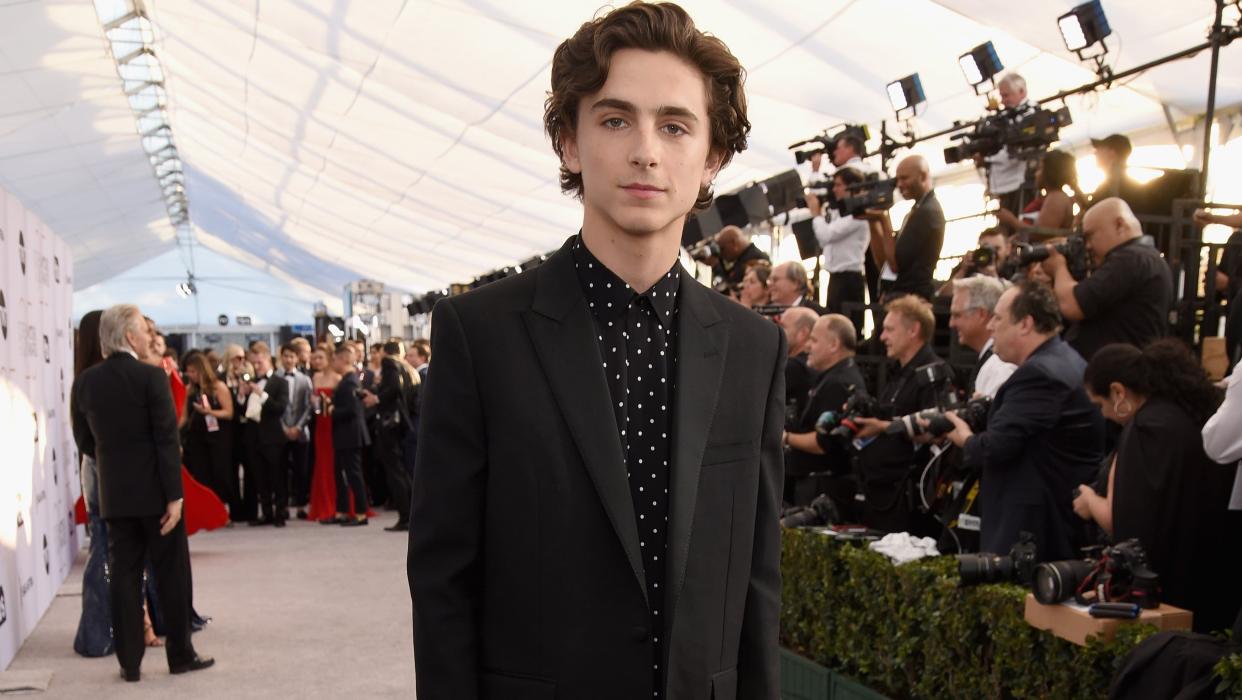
[(640, 633)]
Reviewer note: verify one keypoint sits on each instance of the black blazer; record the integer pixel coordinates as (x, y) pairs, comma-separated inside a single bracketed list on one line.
[(349, 422), (918, 248), (524, 562), (123, 416), (271, 422), (1044, 437)]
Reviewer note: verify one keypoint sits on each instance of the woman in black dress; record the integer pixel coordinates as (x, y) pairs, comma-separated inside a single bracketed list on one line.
[(208, 419), (1162, 488)]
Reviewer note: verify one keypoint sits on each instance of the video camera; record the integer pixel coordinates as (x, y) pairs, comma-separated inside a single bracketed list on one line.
[(868, 194), (1019, 566), (824, 143), (704, 250), (1074, 249), (1024, 135), (1116, 574)]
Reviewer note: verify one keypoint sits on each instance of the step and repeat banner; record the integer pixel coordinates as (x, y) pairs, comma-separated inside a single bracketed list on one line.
[(39, 480)]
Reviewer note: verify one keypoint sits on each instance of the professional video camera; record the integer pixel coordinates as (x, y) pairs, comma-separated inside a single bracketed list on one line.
[(1116, 574), (1018, 567), (824, 143), (822, 511), (842, 424), (704, 250), (1074, 249), (1023, 135), (974, 413), (868, 194)]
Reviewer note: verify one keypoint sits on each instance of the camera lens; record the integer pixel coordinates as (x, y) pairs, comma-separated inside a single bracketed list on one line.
[(984, 568), (1056, 581)]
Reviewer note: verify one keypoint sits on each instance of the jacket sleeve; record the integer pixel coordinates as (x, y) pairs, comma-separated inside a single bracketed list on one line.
[(82, 434), (389, 390), (344, 404), (163, 418), (277, 390), (301, 402), (1222, 434), (758, 666), (444, 563), (1032, 405)]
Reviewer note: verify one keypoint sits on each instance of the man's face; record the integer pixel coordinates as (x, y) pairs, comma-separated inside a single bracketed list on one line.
[(1010, 97), (997, 242), (842, 152), (900, 336), (971, 325), (288, 360), (1106, 158), (642, 144), (304, 354), (795, 338), (840, 190), (783, 290), (821, 348), (910, 181), (343, 362), (140, 338), (1006, 335), (730, 247)]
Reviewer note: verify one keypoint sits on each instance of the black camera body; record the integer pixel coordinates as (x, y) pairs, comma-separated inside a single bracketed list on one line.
[(821, 512), (824, 143), (974, 413), (868, 194), (1116, 574), (704, 250), (842, 424), (981, 257), (1074, 249), (1018, 567), (1023, 135)]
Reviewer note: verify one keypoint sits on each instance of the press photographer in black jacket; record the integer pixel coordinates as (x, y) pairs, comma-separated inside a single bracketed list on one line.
[(392, 423)]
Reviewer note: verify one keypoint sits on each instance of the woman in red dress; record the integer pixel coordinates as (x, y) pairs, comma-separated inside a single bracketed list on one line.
[(323, 479)]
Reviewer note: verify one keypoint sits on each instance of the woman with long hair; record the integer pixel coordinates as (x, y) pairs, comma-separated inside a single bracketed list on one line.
[(94, 636), (207, 420), (1056, 173), (755, 286), (1162, 488)]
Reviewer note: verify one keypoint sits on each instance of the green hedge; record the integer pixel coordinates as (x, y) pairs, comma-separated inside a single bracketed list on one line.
[(911, 632)]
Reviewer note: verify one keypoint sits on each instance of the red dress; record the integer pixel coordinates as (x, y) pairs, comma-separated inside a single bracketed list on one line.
[(323, 478)]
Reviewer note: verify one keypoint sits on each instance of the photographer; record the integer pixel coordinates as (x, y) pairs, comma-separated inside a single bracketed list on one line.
[(735, 251), (971, 314), (990, 259), (1162, 487), (1112, 154), (790, 286), (1127, 297), (797, 323), (885, 463), (831, 357), (1006, 174), (844, 240), (1043, 437), (908, 258)]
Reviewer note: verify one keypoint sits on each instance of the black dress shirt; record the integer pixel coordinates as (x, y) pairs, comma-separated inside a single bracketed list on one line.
[(637, 335)]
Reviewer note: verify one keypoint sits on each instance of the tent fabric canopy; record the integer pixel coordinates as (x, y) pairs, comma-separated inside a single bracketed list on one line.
[(327, 140)]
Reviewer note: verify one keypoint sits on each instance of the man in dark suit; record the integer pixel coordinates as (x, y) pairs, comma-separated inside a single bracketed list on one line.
[(908, 258), (1044, 437), (596, 497), (123, 416), (392, 425), (791, 287), (265, 399), (349, 437)]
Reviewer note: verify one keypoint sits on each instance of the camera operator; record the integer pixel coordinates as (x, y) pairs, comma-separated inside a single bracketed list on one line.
[(1112, 154), (997, 260), (908, 258), (1228, 276), (1162, 487), (1043, 437), (885, 463), (844, 240), (797, 323), (790, 286), (830, 356), (1006, 174), (970, 314), (735, 251), (1127, 297)]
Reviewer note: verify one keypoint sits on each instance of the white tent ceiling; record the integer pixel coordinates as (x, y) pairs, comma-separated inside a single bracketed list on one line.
[(401, 140)]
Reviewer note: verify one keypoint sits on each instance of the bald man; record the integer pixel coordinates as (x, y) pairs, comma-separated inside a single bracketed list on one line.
[(797, 322), (1126, 298), (736, 251), (907, 259)]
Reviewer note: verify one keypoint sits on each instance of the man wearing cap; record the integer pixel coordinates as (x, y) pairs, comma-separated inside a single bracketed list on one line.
[(1111, 154)]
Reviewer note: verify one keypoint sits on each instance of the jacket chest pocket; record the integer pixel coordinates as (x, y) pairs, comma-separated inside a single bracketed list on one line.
[(725, 453)]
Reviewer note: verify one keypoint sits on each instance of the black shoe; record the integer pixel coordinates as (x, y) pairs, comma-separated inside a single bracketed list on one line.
[(198, 663), (399, 527), (333, 521), (279, 523), (354, 522), (131, 676), (198, 622), (260, 522), (302, 514)]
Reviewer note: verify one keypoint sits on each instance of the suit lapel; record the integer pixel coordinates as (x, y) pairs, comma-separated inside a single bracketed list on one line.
[(702, 343), (563, 332)]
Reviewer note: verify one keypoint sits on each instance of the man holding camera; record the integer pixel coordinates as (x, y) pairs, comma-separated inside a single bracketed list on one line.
[(831, 348), (971, 313), (1127, 297), (886, 461), (736, 251), (1044, 437), (1006, 174), (990, 259), (844, 240), (907, 258)]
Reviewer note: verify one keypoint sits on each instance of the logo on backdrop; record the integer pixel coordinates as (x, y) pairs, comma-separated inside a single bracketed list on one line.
[(20, 520), (47, 350), (47, 558), (4, 316), (55, 469), (4, 606), (21, 250), (62, 385), (56, 267)]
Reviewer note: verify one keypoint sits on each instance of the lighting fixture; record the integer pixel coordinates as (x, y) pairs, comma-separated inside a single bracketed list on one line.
[(981, 65), (906, 94)]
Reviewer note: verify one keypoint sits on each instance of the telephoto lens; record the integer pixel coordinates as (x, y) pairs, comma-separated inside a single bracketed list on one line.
[(1058, 581), (984, 568)]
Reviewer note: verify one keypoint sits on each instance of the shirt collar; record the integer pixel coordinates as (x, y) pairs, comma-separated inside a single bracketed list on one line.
[(986, 347), (130, 351), (608, 295)]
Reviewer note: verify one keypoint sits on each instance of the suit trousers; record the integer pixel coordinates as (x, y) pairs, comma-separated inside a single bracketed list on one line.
[(246, 487), (348, 463), (389, 443), (851, 288), (272, 480), (296, 454), (131, 542)]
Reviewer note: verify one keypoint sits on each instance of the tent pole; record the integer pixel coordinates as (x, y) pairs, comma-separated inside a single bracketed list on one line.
[(1210, 115)]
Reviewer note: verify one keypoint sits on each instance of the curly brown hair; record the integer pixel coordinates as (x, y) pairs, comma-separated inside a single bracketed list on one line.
[(580, 67)]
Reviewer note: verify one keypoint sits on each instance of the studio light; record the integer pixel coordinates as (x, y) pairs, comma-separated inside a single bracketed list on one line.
[(980, 65), (906, 94), (187, 289), (1083, 27)]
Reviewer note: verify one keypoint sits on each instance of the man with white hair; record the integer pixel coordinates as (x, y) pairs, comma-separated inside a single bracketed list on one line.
[(1127, 297), (1006, 174), (123, 416), (970, 314)]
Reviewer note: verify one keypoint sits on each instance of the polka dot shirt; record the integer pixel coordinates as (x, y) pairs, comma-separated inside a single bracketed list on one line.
[(637, 336)]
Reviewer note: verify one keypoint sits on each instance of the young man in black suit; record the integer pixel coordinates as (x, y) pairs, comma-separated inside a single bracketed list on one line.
[(123, 416), (596, 497), (265, 399), (349, 437)]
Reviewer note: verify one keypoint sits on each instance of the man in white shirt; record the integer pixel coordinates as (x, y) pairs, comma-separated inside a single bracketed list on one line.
[(844, 240), (970, 314), (1007, 175), (1222, 434)]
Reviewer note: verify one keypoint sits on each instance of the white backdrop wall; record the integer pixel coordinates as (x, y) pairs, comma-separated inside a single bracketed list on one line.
[(38, 461)]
